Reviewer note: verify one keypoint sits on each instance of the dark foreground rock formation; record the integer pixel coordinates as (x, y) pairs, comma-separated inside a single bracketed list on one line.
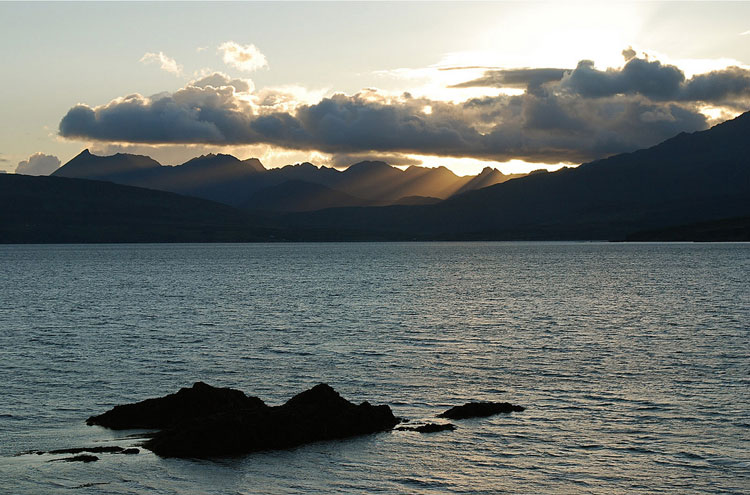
[(205, 421), (198, 401), (480, 409)]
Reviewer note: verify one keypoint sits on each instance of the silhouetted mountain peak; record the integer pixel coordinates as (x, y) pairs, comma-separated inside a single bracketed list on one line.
[(443, 171), (254, 164), (90, 166), (420, 171), (211, 159), (369, 165), (488, 171), (304, 168), (415, 170)]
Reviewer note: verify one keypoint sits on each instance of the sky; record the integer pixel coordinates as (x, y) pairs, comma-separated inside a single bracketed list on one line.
[(516, 86)]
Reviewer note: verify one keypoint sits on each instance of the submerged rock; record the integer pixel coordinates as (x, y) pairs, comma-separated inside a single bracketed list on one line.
[(480, 409), (428, 428), (77, 458), (198, 401), (226, 422), (113, 449), (109, 449)]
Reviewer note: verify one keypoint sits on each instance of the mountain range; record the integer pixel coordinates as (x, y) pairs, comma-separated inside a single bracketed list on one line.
[(247, 184), (697, 177), (691, 187)]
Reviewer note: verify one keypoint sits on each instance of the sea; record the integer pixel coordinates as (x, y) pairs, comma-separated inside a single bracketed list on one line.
[(632, 360)]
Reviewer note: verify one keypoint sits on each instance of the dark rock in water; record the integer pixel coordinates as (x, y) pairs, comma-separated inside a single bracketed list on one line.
[(246, 424), (78, 458), (91, 450), (428, 428), (189, 403), (130, 451), (480, 409), (110, 449)]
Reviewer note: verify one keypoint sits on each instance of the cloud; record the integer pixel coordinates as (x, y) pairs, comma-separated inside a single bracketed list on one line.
[(3, 159), (639, 76), (38, 164), (562, 116), (166, 63), (218, 80), (529, 79), (745, 33), (543, 129), (730, 86), (628, 53), (243, 57)]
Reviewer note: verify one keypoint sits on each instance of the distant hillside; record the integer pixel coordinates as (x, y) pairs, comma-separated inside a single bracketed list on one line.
[(698, 177), (725, 230), (298, 195), (248, 184), (61, 210)]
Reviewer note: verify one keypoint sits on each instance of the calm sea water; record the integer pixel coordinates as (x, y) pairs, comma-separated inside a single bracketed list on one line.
[(633, 362)]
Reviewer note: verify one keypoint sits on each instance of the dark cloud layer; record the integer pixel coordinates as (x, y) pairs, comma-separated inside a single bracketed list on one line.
[(530, 79), (564, 115), (649, 78)]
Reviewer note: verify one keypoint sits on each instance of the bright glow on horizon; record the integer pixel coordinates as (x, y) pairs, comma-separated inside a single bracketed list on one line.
[(473, 166), (717, 115)]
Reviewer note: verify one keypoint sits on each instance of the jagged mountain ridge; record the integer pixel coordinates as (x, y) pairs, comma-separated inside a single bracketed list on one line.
[(698, 177), (247, 184)]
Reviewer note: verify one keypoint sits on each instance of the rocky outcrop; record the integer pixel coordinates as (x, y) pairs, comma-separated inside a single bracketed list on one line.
[(205, 421), (198, 401), (480, 409)]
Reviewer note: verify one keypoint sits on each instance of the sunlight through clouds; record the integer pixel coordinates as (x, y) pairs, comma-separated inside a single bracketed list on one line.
[(517, 117), (473, 166), (435, 82)]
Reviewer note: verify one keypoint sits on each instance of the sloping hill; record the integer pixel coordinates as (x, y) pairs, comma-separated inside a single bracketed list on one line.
[(63, 210), (725, 230)]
